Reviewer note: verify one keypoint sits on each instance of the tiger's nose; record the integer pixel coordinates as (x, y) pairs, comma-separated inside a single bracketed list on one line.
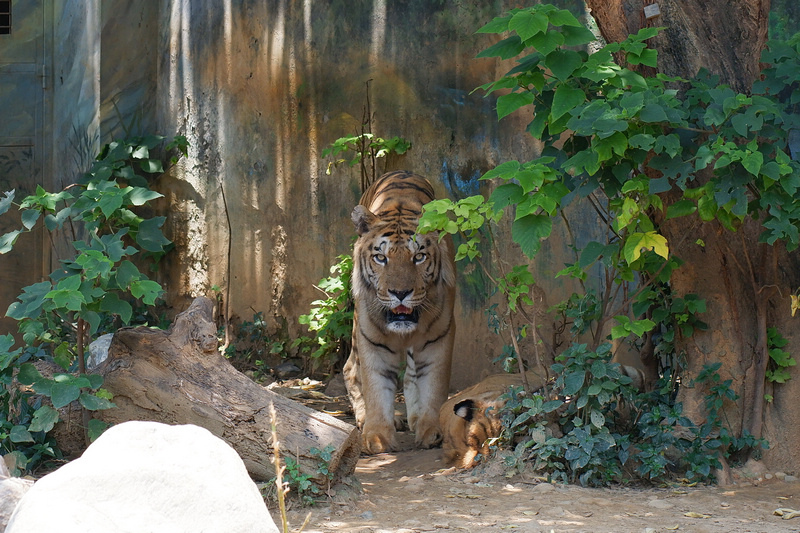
[(400, 295)]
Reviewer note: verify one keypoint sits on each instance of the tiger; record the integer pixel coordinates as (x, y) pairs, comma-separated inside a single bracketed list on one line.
[(471, 421), (403, 288)]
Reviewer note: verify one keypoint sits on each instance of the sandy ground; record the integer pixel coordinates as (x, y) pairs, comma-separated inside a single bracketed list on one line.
[(409, 491)]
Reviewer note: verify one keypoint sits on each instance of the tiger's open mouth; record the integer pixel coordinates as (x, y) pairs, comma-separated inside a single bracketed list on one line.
[(401, 313)]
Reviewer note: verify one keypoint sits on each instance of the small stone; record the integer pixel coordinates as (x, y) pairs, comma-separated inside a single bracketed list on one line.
[(543, 488), (660, 504), (789, 479), (286, 370), (649, 530), (780, 475), (367, 515), (768, 476)]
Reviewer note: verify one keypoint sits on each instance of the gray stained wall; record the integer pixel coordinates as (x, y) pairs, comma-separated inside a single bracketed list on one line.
[(260, 88)]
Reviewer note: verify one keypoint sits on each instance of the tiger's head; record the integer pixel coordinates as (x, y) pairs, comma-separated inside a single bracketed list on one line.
[(469, 431), (403, 275)]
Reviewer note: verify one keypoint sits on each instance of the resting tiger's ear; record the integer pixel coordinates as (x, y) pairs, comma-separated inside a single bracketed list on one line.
[(362, 219), (464, 409)]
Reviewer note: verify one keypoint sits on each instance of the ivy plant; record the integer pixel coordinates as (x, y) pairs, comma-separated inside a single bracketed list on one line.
[(95, 288), (618, 141)]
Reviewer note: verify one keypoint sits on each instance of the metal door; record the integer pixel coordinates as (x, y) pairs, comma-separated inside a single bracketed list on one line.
[(23, 65)]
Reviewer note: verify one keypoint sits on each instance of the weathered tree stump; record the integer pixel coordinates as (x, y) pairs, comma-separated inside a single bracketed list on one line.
[(179, 377)]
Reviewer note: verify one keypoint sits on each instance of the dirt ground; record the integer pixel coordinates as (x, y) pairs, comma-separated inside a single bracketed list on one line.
[(409, 491)]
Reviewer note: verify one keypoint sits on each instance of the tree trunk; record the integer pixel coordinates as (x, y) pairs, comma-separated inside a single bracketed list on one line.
[(179, 377), (724, 36), (746, 284)]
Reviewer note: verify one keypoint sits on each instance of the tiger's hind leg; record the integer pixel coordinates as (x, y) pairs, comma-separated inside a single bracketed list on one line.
[(352, 381)]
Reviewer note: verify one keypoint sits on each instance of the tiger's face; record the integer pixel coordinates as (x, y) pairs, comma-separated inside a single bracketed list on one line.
[(470, 432), (397, 270)]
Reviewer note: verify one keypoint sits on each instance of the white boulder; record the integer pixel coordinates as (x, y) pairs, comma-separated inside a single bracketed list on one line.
[(12, 489), (147, 477)]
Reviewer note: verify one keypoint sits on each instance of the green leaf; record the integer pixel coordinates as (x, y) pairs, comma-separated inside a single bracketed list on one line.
[(150, 236), (111, 303), (147, 290), (546, 42), (95, 380), (7, 201), (681, 208), (94, 403), (505, 49), (562, 63), (573, 382), (552, 405), (508, 103), (504, 170), (140, 152), (599, 369), (497, 25), (44, 419), (577, 35), (152, 166), (506, 194), (140, 195), (109, 202), (562, 17), (653, 113), (53, 222), (62, 394), (20, 434), (590, 253), (29, 218), (68, 299), (28, 374), (527, 24), (96, 428), (598, 420), (7, 241), (528, 232), (752, 162), (566, 99), (125, 273)]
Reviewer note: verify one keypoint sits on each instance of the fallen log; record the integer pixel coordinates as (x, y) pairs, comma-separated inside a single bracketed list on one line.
[(179, 377)]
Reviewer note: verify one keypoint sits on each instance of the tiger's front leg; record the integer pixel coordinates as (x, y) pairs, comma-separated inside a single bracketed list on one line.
[(426, 386), (371, 387)]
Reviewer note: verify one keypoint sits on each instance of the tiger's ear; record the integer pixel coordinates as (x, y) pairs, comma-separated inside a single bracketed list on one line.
[(362, 219), (464, 409)]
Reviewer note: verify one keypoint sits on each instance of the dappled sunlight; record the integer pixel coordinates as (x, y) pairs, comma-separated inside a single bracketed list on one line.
[(181, 96), (378, 31), (313, 133)]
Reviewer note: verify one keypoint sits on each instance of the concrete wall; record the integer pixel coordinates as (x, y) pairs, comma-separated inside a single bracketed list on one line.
[(260, 88)]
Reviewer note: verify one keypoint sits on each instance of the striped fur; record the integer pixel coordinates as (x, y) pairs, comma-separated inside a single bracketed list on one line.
[(470, 419), (404, 290)]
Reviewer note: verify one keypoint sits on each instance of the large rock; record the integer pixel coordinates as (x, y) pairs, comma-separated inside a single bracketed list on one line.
[(12, 489), (147, 477)]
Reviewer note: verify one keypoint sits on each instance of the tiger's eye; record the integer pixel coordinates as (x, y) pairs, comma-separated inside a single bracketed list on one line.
[(379, 258), (419, 258)]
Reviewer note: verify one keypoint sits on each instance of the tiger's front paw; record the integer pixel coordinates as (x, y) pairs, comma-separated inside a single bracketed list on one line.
[(428, 435), (379, 442)]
